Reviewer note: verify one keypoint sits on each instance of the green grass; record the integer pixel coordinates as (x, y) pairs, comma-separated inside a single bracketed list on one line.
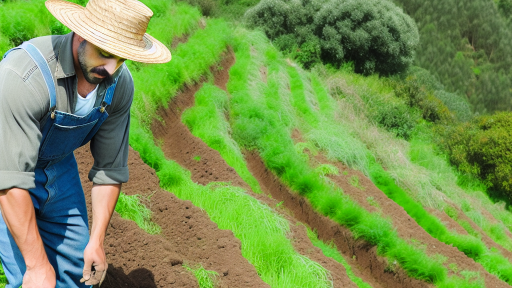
[(266, 125), (129, 207), (261, 231), (3, 279), (330, 250), (205, 278), (206, 120)]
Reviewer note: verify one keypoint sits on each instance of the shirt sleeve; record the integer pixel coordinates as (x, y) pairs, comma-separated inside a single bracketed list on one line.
[(109, 146), (21, 108)]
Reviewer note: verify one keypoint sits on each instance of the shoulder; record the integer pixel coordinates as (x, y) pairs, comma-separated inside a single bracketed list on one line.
[(123, 95)]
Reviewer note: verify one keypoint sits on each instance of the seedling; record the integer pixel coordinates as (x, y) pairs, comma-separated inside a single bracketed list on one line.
[(197, 158), (372, 202), (354, 181)]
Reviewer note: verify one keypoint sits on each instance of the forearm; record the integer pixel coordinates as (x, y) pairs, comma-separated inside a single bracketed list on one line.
[(104, 199), (19, 216)]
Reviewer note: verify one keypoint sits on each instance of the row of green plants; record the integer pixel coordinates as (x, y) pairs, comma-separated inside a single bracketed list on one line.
[(131, 208), (418, 165), (269, 131), (474, 248), (206, 120), (261, 231)]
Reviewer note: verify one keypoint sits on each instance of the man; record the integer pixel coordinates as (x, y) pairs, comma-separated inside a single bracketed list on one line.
[(57, 93)]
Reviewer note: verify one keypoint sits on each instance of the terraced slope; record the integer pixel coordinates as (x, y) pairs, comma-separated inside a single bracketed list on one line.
[(237, 151)]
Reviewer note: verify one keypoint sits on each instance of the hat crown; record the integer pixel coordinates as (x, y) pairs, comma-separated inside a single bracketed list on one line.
[(127, 19)]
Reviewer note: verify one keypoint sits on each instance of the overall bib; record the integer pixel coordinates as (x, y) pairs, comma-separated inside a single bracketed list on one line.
[(58, 198)]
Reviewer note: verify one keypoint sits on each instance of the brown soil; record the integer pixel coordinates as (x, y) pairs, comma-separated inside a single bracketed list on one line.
[(181, 146), (188, 236)]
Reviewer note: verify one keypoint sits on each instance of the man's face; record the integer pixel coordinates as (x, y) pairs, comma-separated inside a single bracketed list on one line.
[(97, 64)]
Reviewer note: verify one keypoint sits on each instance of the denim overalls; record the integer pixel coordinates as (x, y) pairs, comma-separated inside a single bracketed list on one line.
[(58, 198)]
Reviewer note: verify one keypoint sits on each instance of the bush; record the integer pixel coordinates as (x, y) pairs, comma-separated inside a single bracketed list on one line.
[(273, 16), (417, 95), (397, 118), (376, 35), (482, 148)]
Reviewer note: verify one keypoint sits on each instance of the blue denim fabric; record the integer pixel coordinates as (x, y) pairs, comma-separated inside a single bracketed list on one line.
[(58, 198)]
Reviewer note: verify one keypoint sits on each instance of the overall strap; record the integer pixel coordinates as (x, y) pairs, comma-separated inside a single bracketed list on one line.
[(109, 95), (38, 58)]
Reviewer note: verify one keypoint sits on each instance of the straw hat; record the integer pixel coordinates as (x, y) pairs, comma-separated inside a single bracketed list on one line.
[(116, 26)]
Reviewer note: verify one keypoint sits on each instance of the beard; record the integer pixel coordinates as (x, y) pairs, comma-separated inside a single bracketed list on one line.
[(88, 72)]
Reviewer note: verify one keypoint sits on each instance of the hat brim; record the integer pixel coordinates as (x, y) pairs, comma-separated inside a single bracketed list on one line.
[(72, 16)]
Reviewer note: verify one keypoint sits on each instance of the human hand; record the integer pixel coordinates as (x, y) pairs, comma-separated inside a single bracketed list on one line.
[(95, 264), (42, 276)]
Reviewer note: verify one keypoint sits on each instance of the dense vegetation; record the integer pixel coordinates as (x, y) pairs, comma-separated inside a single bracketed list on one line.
[(466, 45), (482, 148), (375, 35)]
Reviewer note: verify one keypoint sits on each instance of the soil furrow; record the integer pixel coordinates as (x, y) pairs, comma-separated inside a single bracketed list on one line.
[(188, 236), (180, 145)]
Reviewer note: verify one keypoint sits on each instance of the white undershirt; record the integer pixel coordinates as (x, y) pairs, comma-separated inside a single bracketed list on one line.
[(84, 105)]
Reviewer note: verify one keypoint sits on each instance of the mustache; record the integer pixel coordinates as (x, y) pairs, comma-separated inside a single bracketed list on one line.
[(101, 71)]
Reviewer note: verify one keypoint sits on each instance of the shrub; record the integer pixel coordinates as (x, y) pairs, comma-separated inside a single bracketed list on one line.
[(376, 35), (417, 95), (273, 16), (397, 118), (482, 148)]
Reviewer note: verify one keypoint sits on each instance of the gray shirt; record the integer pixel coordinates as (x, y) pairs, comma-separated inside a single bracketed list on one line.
[(24, 102)]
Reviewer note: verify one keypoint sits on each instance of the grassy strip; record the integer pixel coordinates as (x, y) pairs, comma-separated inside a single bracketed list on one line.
[(428, 178), (206, 120), (129, 207), (422, 153), (330, 250), (205, 278), (278, 153), (156, 84), (491, 260), (3, 278), (261, 231)]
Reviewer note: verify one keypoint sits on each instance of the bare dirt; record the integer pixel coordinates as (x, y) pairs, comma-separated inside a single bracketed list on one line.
[(188, 237)]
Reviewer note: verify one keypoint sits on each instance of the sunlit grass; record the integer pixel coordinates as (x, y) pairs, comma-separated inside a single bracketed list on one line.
[(130, 207)]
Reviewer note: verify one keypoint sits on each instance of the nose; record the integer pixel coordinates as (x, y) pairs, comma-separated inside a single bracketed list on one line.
[(111, 66)]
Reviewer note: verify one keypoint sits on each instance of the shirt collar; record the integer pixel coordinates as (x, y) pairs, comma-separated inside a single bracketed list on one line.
[(65, 66)]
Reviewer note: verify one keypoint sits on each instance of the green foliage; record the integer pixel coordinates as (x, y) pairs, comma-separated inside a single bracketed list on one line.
[(207, 7), (375, 35), (417, 95), (205, 278), (3, 278), (474, 38), (397, 117), (129, 207), (482, 148)]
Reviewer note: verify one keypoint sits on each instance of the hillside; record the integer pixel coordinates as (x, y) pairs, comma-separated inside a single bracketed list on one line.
[(247, 170)]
